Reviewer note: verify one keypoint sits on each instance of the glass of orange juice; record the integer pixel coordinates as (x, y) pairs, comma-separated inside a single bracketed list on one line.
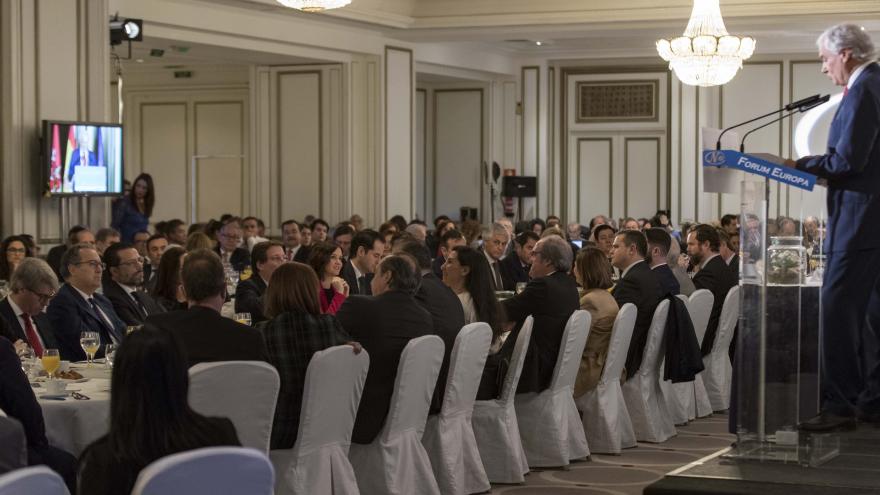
[(51, 361)]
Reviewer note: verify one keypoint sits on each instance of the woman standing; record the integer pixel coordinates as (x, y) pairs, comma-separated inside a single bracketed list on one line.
[(326, 260), (131, 214), (13, 250)]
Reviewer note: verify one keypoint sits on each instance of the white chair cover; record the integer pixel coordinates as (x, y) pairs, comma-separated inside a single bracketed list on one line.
[(644, 397), (718, 372), (243, 391), (679, 396), (700, 308), (318, 461), (449, 437), (32, 480), (549, 423), (605, 418), (495, 425), (396, 462), (208, 471)]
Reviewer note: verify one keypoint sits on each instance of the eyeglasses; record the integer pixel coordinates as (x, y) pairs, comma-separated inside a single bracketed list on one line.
[(16, 250), (94, 264), (44, 298), (232, 237), (136, 261)]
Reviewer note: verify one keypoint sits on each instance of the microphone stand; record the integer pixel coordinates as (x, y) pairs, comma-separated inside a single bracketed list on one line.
[(810, 100)]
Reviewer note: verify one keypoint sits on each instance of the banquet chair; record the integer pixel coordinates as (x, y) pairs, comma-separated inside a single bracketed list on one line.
[(243, 391), (318, 461), (396, 462), (606, 422), (449, 437), (643, 394), (700, 307), (718, 372), (37, 479), (495, 425), (549, 423), (208, 471), (680, 396)]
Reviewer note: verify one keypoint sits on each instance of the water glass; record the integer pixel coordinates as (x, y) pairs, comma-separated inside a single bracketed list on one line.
[(244, 318), (110, 354), (27, 356), (90, 343)]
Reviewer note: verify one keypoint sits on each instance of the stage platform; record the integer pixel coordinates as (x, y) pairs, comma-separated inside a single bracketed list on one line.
[(854, 470)]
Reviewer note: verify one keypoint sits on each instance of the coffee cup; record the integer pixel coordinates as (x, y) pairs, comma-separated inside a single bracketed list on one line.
[(65, 366), (55, 387)]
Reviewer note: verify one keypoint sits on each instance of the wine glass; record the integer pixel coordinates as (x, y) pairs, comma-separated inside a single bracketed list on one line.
[(90, 342), (27, 355), (51, 361), (110, 354)]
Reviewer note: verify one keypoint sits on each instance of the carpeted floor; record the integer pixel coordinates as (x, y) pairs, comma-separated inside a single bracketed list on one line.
[(629, 473)]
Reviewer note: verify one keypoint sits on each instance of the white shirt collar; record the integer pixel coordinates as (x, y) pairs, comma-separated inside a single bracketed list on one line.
[(15, 308), (357, 273), (628, 268), (856, 73), (83, 294), (658, 265), (489, 258), (127, 288), (707, 260)]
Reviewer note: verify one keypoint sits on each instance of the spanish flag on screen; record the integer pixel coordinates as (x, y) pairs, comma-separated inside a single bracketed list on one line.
[(55, 170), (71, 145)]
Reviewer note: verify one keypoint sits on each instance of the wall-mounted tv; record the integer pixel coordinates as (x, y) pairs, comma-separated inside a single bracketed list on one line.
[(82, 158)]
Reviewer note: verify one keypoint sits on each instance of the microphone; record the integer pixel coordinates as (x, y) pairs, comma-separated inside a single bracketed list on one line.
[(786, 108), (796, 107)]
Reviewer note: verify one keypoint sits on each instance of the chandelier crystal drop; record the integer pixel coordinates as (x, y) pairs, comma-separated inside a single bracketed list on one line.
[(314, 5), (706, 55)]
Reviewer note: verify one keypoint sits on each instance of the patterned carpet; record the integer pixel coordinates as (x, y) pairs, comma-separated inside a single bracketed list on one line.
[(636, 468)]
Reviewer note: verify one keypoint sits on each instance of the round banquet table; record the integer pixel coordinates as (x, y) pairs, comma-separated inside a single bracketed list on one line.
[(73, 424)]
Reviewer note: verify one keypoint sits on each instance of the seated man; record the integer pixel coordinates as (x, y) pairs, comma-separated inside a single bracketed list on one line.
[(228, 239), (495, 241), (550, 298), (384, 324), (78, 308), (291, 237), (204, 334), (659, 242), (448, 241), (105, 238), (76, 235), (515, 267), (445, 308), (703, 244), (33, 285), (366, 250), (265, 258), (126, 269), (637, 285)]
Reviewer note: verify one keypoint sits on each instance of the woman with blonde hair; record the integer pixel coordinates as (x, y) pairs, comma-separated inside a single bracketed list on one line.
[(198, 240)]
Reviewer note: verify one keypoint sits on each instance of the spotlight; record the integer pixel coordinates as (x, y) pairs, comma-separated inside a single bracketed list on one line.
[(126, 30)]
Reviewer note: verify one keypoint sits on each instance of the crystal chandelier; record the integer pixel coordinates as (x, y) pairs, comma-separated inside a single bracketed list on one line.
[(706, 55), (314, 5)]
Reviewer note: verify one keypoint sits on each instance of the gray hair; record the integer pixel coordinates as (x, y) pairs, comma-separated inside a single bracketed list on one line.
[(852, 36), (32, 274), (556, 251), (496, 228), (72, 257)]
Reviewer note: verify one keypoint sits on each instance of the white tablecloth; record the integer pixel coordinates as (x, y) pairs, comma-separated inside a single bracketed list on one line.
[(73, 424)]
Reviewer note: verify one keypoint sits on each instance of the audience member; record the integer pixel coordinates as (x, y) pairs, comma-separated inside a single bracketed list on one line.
[(553, 221), (249, 294), (537, 226), (150, 417), (399, 221), (175, 231), (342, 237), (156, 245), (728, 252), (659, 242), (320, 229), (367, 248), (714, 274), (594, 275), (515, 267), (105, 238), (291, 238), (418, 231), (140, 244), (166, 290), (228, 240), (326, 260), (471, 230), (306, 233), (637, 285), (469, 278), (204, 334), (574, 231), (603, 235), (30, 243), (384, 323), (254, 232), (730, 223), (77, 234), (79, 308), (131, 214), (685, 284), (435, 240), (198, 240), (448, 241), (631, 224), (495, 241), (597, 221), (32, 286), (13, 250), (357, 222), (125, 267)]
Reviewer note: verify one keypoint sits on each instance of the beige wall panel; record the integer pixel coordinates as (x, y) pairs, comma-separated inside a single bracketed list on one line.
[(594, 160), (219, 181), (399, 129), (165, 155), (458, 151), (642, 159), (57, 30), (687, 159), (421, 147), (299, 144)]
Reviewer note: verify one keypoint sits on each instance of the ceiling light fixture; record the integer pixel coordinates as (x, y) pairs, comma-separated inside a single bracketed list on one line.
[(706, 55), (314, 5)]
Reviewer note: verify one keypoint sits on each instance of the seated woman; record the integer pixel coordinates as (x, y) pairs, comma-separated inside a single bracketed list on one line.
[(326, 260), (467, 274), (13, 250), (167, 289), (296, 330), (150, 416), (593, 273)]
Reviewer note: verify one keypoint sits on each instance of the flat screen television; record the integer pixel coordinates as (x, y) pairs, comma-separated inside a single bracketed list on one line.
[(82, 158)]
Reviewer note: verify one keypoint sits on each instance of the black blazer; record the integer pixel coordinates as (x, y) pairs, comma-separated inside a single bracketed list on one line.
[(639, 287), (240, 258), (302, 255), (437, 266), (249, 297), (667, 280), (125, 307), (54, 259), (70, 315), (550, 300), (17, 397), (734, 266), (206, 336), (16, 332), (448, 318), (512, 272), (347, 273), (383, 325), (716, 277)]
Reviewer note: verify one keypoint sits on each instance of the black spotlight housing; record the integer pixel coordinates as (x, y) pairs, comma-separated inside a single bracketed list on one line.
[(126, 30)]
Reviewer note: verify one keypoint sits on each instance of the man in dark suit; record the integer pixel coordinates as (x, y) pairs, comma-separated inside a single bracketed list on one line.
[(850, 383), (515, 266), (637, 285), (13, 445), (550, 297), (448, 241), (291, 238), (79, 308), (728, 252), (659, 242), (228, 239), (383, 324), (495, 242), (714, 274), (126, 273), (265, 258), (366, 250), (444, 306), (204, 334), (33, 285), (76, 235)]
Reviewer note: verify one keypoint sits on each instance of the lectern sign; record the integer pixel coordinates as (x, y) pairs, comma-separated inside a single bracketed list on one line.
[(758, 166)]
